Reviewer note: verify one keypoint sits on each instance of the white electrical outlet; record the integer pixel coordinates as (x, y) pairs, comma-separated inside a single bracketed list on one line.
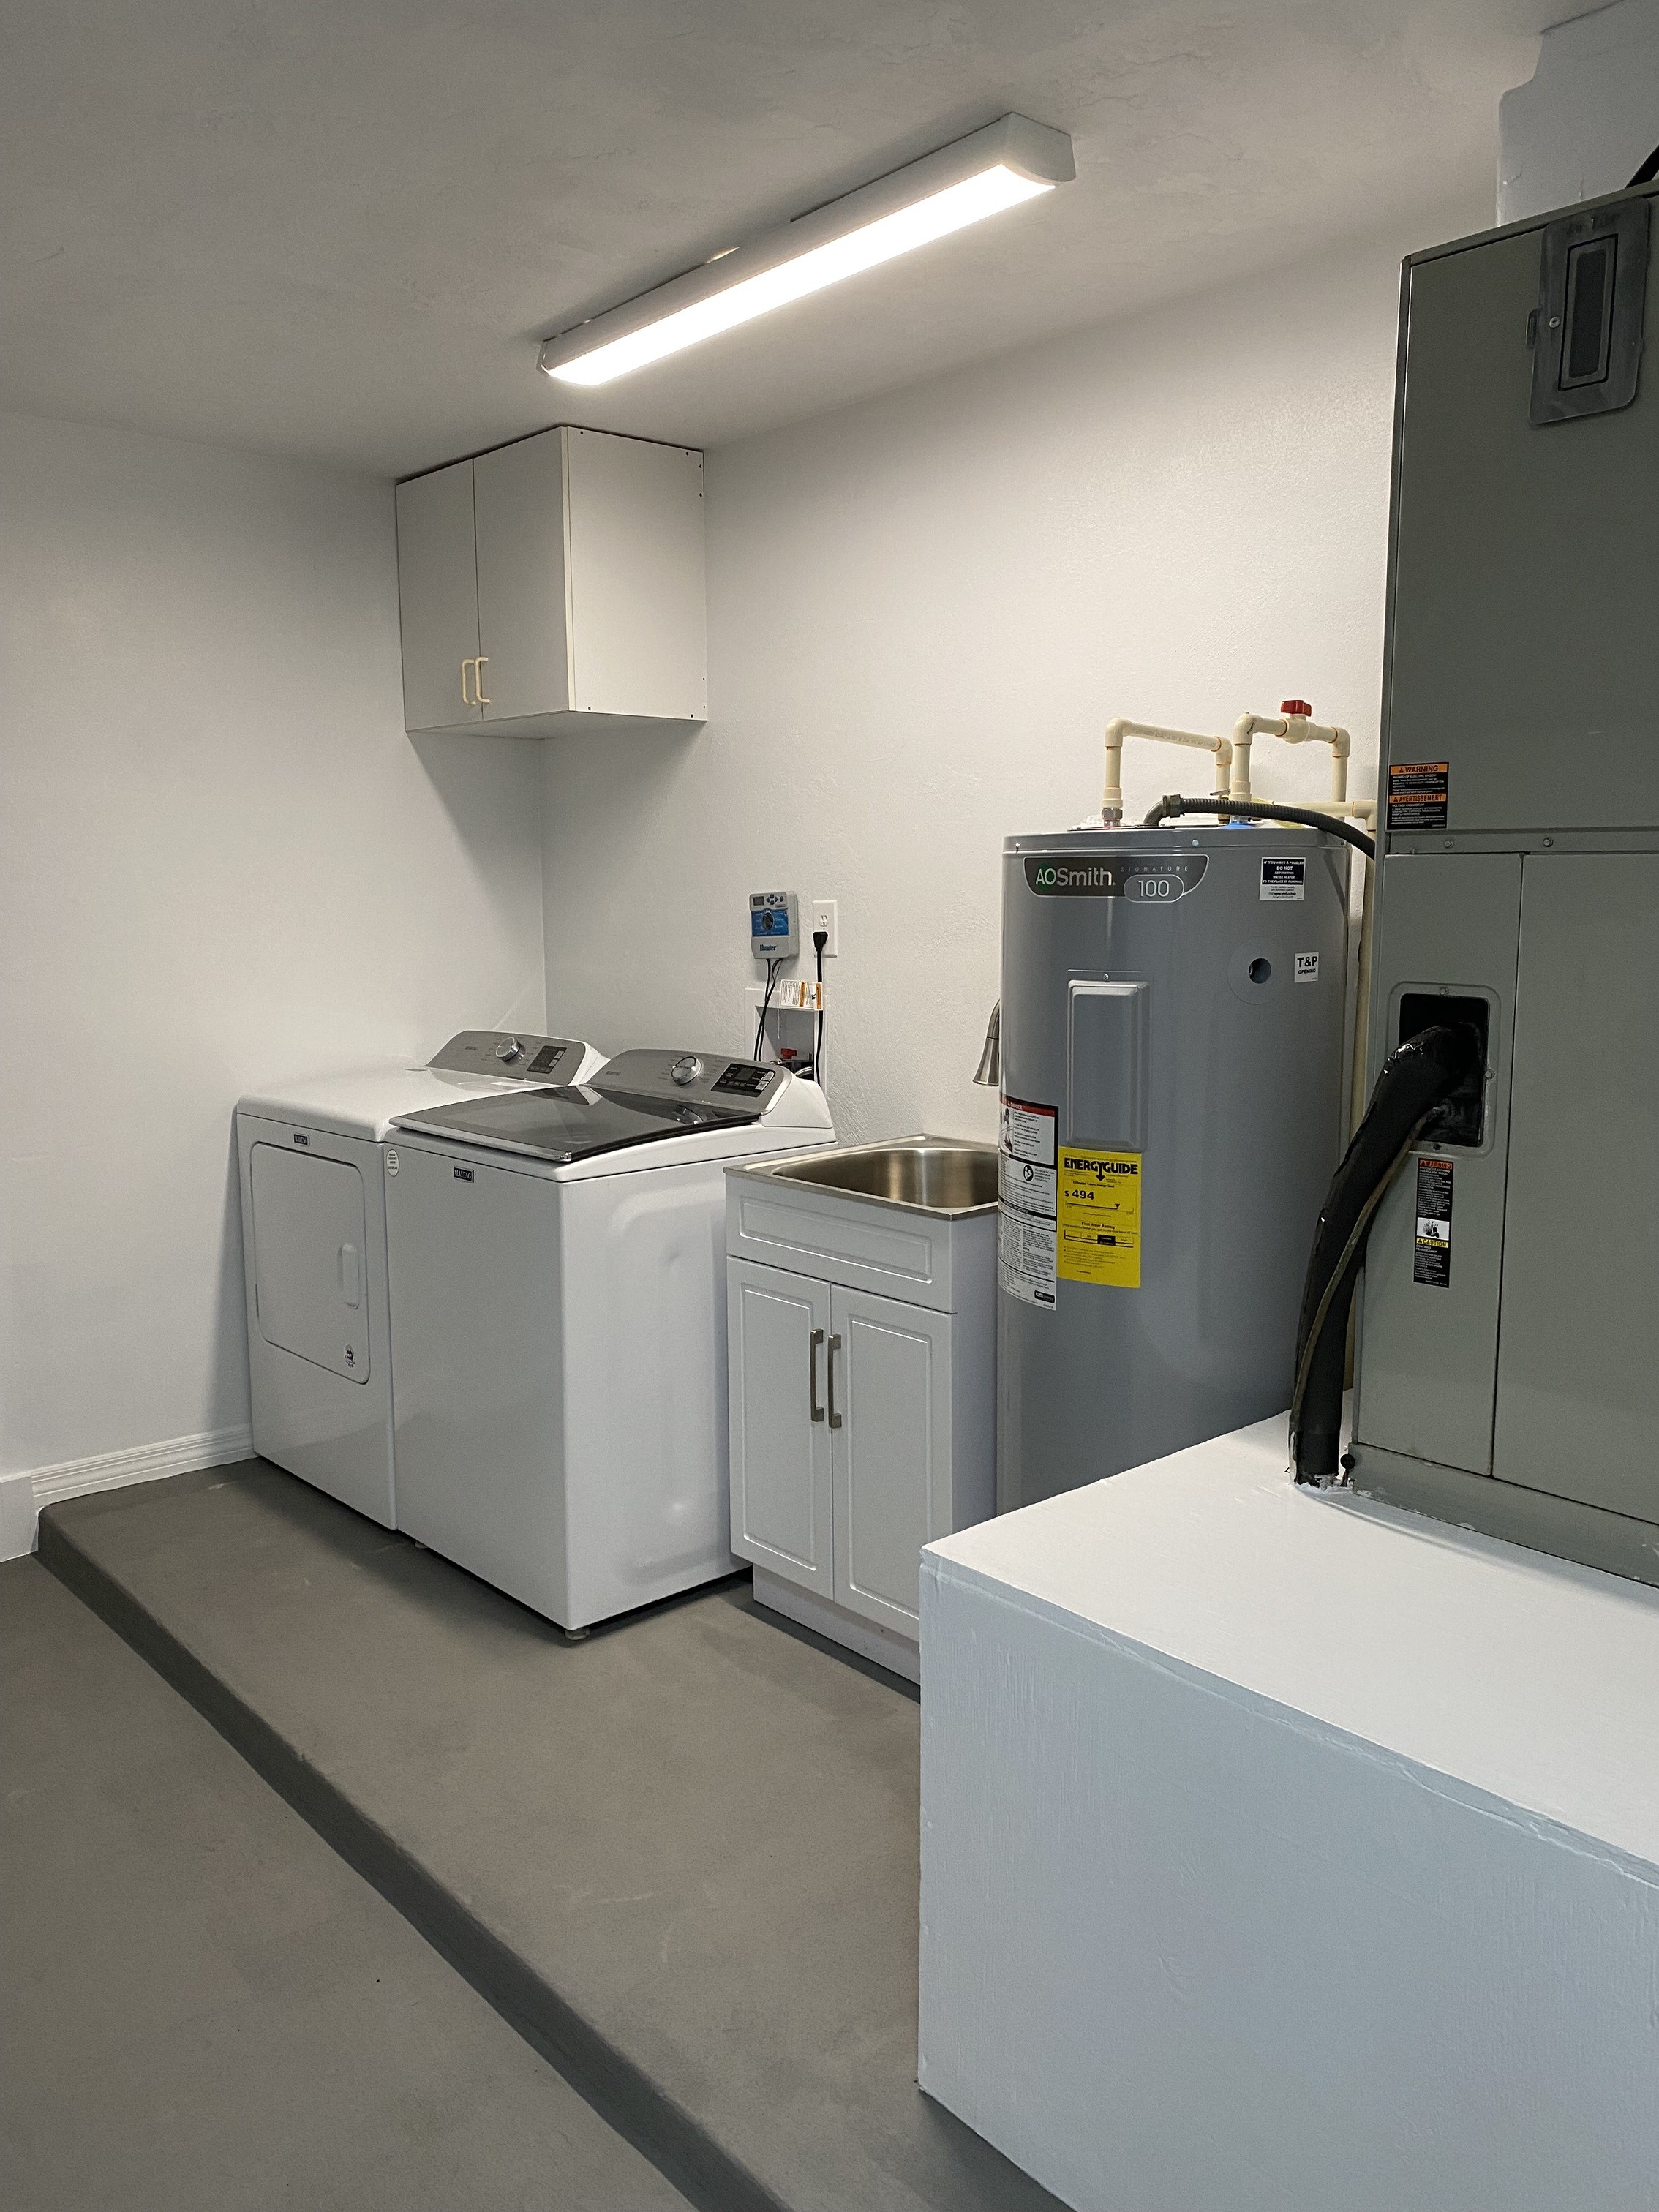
[(824, 917)]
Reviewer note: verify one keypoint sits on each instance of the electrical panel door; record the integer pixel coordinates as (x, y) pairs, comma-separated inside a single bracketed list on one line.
[(1521, 651), (1578, 1375)]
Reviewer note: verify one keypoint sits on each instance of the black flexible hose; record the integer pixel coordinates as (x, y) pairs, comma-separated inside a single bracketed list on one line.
[(1415, 1082), (1262, 810)]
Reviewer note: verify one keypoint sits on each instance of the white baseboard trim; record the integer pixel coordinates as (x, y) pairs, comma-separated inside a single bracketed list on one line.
[(22, 1496)]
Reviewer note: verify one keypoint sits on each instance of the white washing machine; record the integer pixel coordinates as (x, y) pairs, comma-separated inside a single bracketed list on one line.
[(558, 1324), (313, 1162)]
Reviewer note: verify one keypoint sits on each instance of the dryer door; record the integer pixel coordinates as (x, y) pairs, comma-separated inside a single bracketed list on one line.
[(308, 1246)]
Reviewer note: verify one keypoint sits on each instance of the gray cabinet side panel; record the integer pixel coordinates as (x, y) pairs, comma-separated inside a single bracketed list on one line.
[(1578, 1362), (638, 615), (1427, 1353), (1523, 565), (523, 631), (437, 596)]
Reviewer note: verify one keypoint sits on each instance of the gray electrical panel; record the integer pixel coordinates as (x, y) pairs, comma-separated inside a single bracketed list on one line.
[(1507, 1365), (1172, 1059)]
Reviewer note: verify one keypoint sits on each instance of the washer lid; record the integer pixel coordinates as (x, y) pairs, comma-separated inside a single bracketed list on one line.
[(638, 1098), (572, 1125)]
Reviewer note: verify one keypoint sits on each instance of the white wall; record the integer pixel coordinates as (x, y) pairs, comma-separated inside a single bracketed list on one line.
[(922, 612), (221, 861), (1587, 117)]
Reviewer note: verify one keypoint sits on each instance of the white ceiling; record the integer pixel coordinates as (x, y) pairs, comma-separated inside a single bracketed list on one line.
[(340, 229)]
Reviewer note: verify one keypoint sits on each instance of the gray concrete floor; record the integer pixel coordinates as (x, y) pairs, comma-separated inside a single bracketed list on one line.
[(204, 2006), (686, 1850)]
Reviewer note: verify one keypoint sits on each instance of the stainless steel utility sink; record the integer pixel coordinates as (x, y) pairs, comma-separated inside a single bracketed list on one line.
[(930, 1175)]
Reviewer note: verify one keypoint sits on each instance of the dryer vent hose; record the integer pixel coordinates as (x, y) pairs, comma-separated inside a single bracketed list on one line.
[(1412, 1091)]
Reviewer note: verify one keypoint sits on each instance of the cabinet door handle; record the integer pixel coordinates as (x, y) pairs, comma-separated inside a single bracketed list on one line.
[(813, 1373), (478, 668), (835, 1347), (466, 701)]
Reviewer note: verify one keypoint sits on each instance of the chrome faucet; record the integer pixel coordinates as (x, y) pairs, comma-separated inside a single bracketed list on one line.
[(989, 1070)]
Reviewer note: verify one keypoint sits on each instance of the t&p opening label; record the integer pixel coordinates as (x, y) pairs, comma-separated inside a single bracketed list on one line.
[(1099, 1217)]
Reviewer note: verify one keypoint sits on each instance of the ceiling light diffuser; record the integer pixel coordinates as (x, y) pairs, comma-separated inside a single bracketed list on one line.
[(1008, 162)]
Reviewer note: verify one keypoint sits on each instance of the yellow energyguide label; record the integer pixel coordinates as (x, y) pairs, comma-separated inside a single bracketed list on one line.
[(1100, 1218)]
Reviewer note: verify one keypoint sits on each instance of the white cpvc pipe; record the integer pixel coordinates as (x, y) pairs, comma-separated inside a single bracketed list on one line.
[(1292, 722), (1226, 770)]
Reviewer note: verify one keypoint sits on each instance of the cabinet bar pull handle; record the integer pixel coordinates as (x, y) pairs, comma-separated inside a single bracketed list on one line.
[(466, 701), (478, 668), (813, 1373), (835, 1347)]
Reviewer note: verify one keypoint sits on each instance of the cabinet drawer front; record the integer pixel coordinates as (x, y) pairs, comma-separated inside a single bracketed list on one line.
[(892, 1455), (896, 1255), (777, 1327)]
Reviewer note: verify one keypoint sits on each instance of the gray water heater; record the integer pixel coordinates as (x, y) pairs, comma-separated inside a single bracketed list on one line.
[(1171, 1061)]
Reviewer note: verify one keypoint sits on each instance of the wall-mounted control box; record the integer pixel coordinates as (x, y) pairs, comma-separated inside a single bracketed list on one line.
[(773, 925)]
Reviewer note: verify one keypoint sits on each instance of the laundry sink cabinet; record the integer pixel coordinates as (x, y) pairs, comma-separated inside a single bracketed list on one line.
[(861, 1338)]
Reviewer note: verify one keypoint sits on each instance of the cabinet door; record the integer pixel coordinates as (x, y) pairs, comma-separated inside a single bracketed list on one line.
[(438, 598), (890, 1471), (777, 1327), (519, 494), (638, 618)]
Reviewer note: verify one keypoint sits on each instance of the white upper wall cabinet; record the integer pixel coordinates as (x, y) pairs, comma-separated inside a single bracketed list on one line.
[(552, 583)]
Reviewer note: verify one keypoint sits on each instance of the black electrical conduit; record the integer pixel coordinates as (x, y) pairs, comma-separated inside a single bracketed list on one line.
[(1415, 1083), (1261, 810)]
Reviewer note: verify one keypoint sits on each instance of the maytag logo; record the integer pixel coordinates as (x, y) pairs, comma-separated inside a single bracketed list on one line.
[(299, 1137), (462, 1175)]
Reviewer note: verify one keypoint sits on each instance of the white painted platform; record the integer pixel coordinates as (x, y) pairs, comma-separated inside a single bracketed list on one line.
[(1282, 1850)]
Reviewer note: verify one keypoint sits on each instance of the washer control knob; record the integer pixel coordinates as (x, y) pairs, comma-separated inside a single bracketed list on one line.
[(687, 1068), (508, 1049)]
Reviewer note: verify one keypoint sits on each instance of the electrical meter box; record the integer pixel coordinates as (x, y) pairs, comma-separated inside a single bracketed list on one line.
[(1507, 1355)]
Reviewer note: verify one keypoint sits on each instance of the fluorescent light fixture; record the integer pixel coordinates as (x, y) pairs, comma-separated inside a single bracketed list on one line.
[(1008, 162)]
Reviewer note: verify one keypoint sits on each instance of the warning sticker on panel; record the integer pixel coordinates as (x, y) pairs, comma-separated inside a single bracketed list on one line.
[(1022, 1182), (1419, 793), (1029, 1132), (1026, 1185), (1284, 876), (1306, 966), (1026, 1173), (1025, 1256), (1099, 1219), (1431, 1253)]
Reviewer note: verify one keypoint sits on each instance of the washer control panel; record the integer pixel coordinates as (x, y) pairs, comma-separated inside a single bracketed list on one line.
[(744, 1084), (510, 1053)]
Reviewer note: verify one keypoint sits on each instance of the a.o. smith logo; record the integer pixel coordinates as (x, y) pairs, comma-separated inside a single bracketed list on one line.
[(1156, 879)]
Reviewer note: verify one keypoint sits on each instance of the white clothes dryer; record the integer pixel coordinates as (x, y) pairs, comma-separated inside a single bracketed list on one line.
[(558, 1324), (313, 1160)]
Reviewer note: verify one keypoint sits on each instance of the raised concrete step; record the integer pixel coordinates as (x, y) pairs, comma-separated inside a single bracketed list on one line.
[(681, 1856)]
